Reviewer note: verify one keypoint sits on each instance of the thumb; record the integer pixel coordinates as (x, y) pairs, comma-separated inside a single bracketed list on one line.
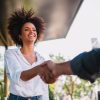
[(43, 64)]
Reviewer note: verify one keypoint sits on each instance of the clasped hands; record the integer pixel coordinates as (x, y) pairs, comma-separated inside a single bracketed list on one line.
[(48, 72)]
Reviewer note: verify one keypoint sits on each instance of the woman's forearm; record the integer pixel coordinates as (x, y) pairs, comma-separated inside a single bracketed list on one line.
[(28, 74)]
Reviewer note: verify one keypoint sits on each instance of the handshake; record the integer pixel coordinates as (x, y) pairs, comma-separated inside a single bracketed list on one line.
[(50, 71)]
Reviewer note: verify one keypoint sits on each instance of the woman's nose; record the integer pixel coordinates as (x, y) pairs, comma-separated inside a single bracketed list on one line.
[(31, 31)]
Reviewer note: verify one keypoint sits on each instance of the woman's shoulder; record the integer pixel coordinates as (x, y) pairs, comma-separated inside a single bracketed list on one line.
[(11, 51)]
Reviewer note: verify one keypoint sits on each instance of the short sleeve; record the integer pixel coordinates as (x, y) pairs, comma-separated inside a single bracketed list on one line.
[(12, 66), (86, 64)]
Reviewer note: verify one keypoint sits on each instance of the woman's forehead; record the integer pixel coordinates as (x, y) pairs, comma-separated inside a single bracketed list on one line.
[(29, 25)]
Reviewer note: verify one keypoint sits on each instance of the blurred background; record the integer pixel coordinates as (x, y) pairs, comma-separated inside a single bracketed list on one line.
[(58, 16), (72, 27)]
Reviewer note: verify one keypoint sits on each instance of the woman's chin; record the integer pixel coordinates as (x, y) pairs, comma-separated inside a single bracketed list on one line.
[(32, 41)]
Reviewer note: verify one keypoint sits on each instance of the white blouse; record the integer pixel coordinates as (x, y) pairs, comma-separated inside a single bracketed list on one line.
[(15, 63)]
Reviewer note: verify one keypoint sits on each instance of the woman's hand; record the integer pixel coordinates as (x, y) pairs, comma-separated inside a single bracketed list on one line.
[(47, 72)]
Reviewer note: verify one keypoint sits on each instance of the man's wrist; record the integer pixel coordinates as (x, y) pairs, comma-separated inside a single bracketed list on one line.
[(68, 68), (65, 68)]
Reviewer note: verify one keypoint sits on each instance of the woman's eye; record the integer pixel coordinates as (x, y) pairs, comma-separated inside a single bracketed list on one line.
[(26, 29), (29, 30), (33, 30)]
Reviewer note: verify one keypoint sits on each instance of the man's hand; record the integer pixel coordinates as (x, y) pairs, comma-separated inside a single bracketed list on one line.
[(51, 71), (47, 73)]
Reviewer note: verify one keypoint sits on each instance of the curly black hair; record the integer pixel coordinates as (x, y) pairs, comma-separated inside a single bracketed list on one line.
[(18, 19)]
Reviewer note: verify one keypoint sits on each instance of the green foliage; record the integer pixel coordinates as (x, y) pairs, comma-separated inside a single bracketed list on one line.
[(1, 79), (1, 57), (1, 71), (57, 58), (2, 90), (29, 4), (51, 91), (82, 88)]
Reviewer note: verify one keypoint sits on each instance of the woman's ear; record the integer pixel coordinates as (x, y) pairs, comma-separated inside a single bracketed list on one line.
[(19, 37)]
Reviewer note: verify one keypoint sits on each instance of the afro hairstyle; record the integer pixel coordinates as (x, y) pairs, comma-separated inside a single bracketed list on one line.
[(18, 19)]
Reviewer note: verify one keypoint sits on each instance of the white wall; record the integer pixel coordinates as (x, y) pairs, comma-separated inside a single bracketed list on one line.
[(85, 26)]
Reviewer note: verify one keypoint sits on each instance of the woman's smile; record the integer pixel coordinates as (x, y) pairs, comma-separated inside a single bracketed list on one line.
[(29, 32)]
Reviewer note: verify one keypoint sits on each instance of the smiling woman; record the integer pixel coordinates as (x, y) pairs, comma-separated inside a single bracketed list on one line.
[(28, 32), (18, 23), (22, 63)]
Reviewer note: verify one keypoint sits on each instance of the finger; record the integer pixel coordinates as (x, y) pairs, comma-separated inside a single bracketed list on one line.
[(48, 80), (42, 77), (47, 76)]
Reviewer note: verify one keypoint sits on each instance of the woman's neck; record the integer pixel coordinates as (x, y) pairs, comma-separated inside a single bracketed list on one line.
[(27, 49)]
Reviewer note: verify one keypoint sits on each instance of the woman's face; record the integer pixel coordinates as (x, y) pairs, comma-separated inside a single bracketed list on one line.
[(28, 33)]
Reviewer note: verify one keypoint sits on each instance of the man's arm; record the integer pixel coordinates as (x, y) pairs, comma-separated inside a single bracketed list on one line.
[(85, 65)]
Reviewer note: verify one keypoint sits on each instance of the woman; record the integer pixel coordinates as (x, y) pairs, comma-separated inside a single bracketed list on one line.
[(22, 64)]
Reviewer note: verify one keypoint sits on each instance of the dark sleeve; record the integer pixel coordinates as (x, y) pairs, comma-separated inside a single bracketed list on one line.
[(86, 64)]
